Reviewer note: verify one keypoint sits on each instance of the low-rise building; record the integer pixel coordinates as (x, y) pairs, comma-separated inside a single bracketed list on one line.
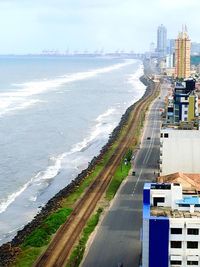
[(171, 227)]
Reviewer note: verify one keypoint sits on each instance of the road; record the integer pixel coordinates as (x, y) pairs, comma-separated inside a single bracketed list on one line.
[(118, 237)]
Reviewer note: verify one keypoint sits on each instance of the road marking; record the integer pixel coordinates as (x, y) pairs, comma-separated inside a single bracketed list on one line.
[(146, 158), (151, 146), (154, 135), (152, 138), (137, 181)]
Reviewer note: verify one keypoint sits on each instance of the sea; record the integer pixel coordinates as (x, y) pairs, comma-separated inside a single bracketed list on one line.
[(56, 113)]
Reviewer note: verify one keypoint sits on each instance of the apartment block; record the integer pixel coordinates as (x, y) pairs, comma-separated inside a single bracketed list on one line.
[(171, 227)]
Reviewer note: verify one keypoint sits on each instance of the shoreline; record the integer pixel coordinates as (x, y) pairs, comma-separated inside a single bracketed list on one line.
[(9, 250)]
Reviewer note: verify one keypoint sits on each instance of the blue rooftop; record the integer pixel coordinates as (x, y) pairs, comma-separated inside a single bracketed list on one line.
[(192, 200)]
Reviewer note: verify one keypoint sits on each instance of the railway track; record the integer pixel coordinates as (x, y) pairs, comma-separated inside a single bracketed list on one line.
[(61, 245)]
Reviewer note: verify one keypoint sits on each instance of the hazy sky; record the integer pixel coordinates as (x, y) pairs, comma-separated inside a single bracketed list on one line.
[(34, 25)]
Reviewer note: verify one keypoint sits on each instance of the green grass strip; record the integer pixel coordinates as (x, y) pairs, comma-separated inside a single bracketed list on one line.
[(28, 257), (78, 252), (120, 174), (35, 243)]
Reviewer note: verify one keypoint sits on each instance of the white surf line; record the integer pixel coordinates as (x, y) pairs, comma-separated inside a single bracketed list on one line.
[(137, 182)]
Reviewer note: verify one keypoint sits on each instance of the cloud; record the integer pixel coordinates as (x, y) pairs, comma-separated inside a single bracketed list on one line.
[(91, 24), (178, 4)]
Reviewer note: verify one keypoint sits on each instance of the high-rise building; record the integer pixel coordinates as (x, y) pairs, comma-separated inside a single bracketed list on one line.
[(162, 40), (182, 55)]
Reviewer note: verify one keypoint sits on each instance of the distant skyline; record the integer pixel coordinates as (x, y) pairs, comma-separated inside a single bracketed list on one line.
[(30, 26)]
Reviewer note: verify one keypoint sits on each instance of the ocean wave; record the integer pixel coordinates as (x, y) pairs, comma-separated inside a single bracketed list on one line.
[(51, 170), (137, 86), (103, 127), (42, 176), (11, 198), (23, 105), (100, 128), (109, 112), (14, 100)]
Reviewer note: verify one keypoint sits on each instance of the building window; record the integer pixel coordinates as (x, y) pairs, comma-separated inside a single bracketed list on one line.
[(161, 135), (185, 119), (192, 244), (166, 135), (157, 200), (192, 231), (175, 262), (176, 244), (185, 112), (185, 205), (192, 263), (176, 231)]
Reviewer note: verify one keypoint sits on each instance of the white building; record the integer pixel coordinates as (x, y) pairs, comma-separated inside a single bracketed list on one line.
[(171, 227), (179, 151)]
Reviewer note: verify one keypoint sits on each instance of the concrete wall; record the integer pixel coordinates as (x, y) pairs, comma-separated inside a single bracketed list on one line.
[(180, 151)]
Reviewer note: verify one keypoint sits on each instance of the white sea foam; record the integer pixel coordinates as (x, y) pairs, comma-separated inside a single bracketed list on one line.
[(16, 99), (51, 170), (46, 175), (103, 126), (11, 198), (137, 86), (20, 106), (99, 128), (109, 112), (54, 168)]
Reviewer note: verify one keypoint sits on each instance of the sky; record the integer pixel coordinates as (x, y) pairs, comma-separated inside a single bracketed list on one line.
[(30, 26)]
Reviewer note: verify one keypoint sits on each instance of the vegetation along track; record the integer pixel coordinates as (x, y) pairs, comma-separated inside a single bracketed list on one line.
[(61, 245)]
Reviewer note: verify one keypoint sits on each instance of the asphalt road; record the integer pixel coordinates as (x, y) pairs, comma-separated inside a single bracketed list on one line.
[(118, 237)]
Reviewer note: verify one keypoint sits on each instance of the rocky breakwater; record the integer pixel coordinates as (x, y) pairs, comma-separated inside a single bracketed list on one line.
[(10, 250)]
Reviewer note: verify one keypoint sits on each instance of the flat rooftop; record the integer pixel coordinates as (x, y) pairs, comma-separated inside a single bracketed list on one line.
[(168, 212)]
